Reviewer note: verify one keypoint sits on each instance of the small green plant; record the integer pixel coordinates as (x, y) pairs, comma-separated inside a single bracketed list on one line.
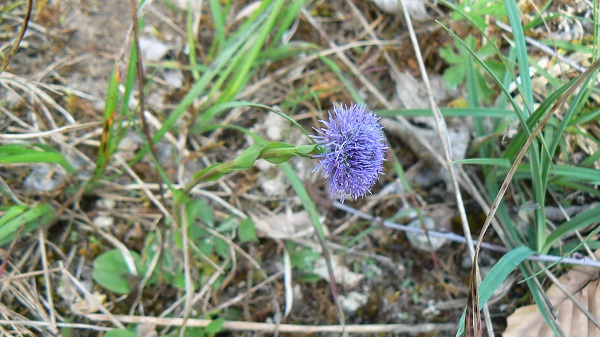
[(458, 58)]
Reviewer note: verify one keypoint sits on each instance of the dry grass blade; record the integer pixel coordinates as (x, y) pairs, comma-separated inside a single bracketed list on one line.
[(582, 284), (20, 38), (473, 303), (140, 80)]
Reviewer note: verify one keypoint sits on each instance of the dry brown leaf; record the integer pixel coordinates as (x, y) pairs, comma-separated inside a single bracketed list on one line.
[(288, 225), (583, 283)]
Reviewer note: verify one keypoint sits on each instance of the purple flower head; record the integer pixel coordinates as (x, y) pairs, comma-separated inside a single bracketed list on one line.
[(354, 150)]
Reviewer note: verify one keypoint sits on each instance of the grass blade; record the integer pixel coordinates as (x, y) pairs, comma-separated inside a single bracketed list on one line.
[(496, 276)]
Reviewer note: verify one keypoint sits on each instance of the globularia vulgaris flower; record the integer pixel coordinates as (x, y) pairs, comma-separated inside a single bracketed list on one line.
[(354, 150)]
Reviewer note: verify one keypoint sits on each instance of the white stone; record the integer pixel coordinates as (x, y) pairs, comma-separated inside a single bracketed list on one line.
[(420, 241), (353, 301)]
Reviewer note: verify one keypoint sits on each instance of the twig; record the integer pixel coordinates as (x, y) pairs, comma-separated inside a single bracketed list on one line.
[(141, 88), (22, 30), (48, 285), (585, 261), (4, 322), (284, 328), (189, 288), (91, 298)]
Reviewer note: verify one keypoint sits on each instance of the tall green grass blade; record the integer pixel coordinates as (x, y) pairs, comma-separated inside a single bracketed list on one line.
[(289, 15), (219, 20), (517, 142), (546, 160), (521, 48), (347, 83), (562, 173), (581, 220), (15, 219), (214, 110), (499, 162), (307, 201), (20, 154), (583, 118), (496, 276), (249, 60), (107, 145)]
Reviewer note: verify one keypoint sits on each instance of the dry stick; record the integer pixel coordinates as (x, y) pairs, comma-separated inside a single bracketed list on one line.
[(283, 328), (44, 259), (473, 294), (12, 245), (332, 280), (255, 288), (457, 238), (140, 80), (189, 288), (91, 298), (22, 30), (4, 322), (445, 139)]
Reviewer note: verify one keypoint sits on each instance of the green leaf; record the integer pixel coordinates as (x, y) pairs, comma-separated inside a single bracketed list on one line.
[(221, 247), (179, 281), (112, 273), (247, 231), (18, 216), (246, 159), (450, 56), (199, 209), (215, 326), (120, 333), (496, 276), (455, 75)]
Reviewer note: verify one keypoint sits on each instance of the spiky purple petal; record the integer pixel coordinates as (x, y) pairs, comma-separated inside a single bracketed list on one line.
[(354, 150)]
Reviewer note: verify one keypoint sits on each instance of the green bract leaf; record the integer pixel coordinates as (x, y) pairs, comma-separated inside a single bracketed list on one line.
[(278, 152), (214, 176), (246, 159)]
